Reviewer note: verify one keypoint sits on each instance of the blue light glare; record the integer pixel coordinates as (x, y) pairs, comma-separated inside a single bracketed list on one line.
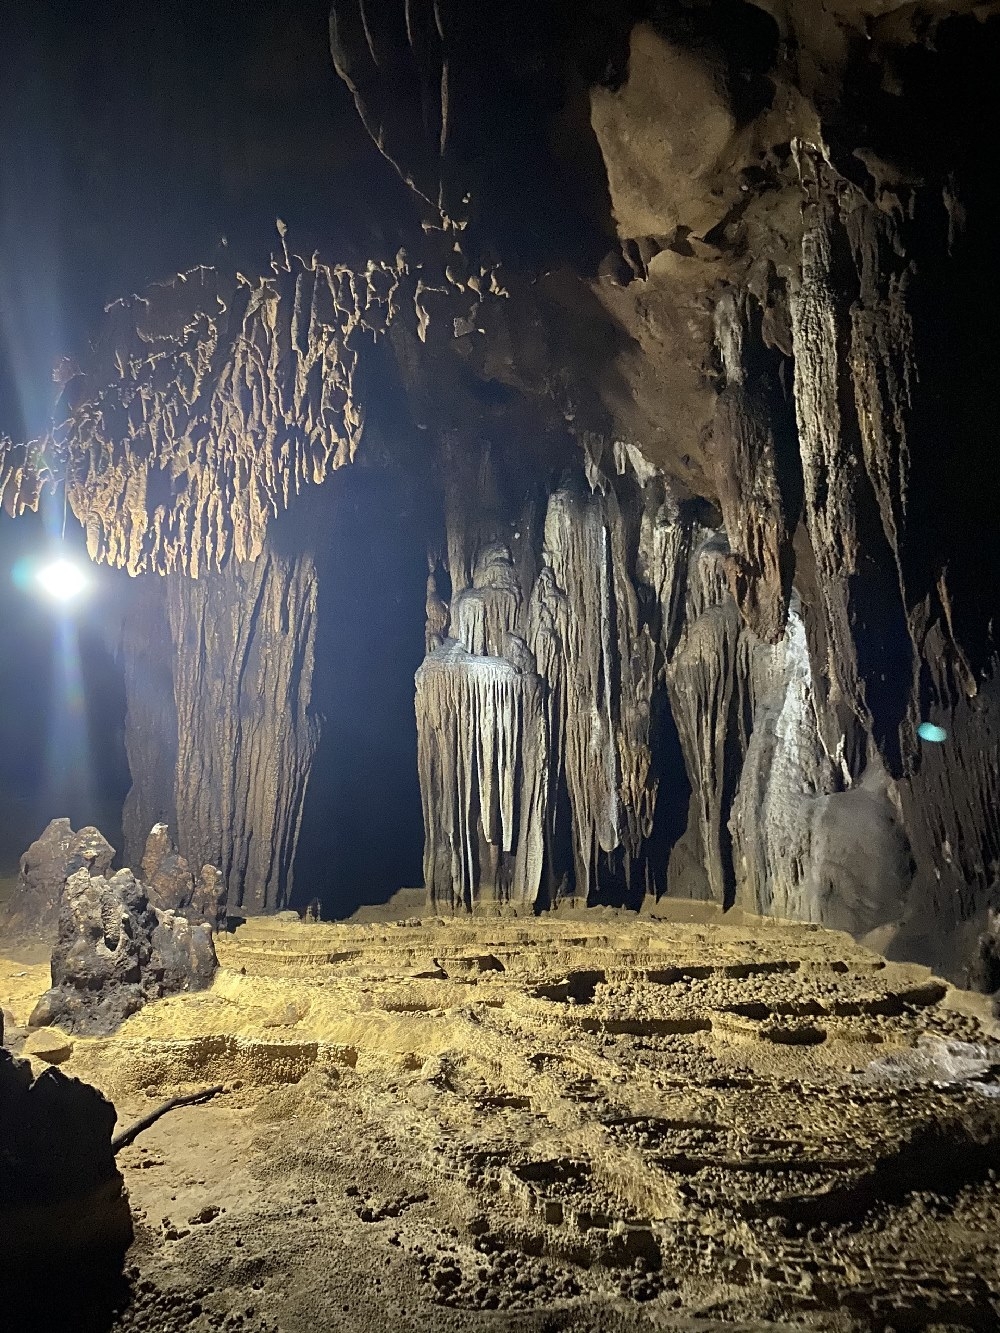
[(927, 731)]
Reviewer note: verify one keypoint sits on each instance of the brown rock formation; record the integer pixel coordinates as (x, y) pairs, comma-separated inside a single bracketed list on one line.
[(698, 565), (115, 951)]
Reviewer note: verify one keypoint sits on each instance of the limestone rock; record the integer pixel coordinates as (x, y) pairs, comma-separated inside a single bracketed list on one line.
[(48, 1044), (208, 901), (45, 867), (183, 955), (481, 729), (170, 886), (115, 951), (664, 135)]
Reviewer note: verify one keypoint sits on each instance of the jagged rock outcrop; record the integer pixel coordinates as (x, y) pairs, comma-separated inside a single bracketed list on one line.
[(170, 885), (115, 952), (45, 868)]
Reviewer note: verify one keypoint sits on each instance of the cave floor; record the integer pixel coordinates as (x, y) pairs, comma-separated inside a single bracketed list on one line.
[(590, 1121)]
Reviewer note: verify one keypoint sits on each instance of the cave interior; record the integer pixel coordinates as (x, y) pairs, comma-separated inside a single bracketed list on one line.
[(530, 464)]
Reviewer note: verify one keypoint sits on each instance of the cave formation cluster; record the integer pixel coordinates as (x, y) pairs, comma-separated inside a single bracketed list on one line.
[(682, 376)]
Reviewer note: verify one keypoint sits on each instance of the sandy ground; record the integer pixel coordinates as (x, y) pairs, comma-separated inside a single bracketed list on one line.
[(592, 1121)]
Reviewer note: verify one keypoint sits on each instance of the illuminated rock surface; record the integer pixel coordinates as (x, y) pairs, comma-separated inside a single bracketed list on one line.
[(677, 376), (597, 1119)]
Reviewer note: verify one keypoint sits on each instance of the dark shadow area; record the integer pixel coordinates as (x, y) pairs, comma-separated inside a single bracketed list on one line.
[(61, 1194), (362, 826), (141, 140)]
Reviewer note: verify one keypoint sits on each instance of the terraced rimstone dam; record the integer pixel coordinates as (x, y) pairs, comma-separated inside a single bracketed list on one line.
[(588, 1121)]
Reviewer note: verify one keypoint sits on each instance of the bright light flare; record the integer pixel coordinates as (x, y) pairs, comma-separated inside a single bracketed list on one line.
[(61, 580)]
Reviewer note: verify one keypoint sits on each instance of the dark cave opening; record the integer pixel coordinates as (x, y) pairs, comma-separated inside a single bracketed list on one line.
[(362, 828)]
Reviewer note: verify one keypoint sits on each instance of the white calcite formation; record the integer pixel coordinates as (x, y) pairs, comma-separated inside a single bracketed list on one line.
[(483, 762)]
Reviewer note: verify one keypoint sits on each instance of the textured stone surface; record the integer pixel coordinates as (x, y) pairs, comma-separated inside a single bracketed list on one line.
[(600, 1120), (45, 867), (171, 886), (115, 951)]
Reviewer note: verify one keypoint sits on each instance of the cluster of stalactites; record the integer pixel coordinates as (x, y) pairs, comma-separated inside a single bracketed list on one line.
[(219, 403), (482, 755), (25, 472), (569, 669), (210, 401)]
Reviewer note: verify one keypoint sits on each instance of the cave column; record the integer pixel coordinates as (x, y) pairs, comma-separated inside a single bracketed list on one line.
[(235, 738)]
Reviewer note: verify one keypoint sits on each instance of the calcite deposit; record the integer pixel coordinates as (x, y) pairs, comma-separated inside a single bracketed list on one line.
[(681, 370), (586, 1120)]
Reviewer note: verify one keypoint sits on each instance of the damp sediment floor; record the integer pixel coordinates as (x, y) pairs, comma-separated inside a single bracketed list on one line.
[(591, 1121)]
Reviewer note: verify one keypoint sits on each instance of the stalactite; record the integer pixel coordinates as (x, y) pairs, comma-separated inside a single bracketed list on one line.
[(707, 679), (482, 755), (219, 401), (853, 374), (598, 661), (828, 469), (759, 563), (483, 615), (208, 402)]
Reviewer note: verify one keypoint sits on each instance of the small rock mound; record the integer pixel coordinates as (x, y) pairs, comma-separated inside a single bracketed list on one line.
[(115, 951), (45, 867), (48, 1044)]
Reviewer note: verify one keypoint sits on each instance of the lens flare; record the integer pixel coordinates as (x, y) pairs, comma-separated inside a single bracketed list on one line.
[(61, 580)]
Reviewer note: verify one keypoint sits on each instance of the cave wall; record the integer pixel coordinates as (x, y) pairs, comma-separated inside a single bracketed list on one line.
[(689, 393)]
